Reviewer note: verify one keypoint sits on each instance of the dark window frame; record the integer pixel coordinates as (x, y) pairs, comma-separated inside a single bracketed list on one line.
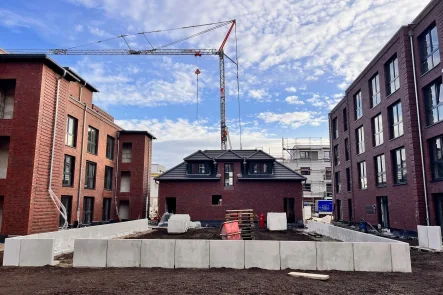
[(374, 90), (90, 176), (199, 168), (337, 181), (68, 209), (305, 170), (106, 212), (399, 169), (70, 173), (358, 105), (347, 149), (345, 119), (377, 130), (436, 157), (328, 173), (71, 122), (109, 171), (307, 187), (392, 75), (396, 128), (348, 179), (336, 155), (266, 168), (360, 140), (92, 140), (88, 213), (362, 175), (380, 170), (226, 172), (335, 128), (433, 95), (127, 156), (429, 49), (110, 147), (217, 200)]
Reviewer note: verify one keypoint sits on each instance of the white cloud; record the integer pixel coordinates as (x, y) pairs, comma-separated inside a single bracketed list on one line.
[(291, 89), (294, 100), (294, 119), (324, 101), (259, 94), (79, 28), (96, 31)]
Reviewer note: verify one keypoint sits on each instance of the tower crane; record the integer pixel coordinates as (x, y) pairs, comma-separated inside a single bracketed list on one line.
[(162, 50)]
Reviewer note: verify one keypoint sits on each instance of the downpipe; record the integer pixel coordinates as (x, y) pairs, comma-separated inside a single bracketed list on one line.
[(81, 155)]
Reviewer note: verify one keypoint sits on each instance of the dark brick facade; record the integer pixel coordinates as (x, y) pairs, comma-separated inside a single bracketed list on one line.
[(27, 207), (406, 202)]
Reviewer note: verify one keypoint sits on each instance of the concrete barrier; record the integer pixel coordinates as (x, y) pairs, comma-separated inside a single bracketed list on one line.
[(36, 252), (372, 257), (90, 253), (401, 257), (335, 256), (179, 223), (191, 253), (298, 255), (429, 237), (276, 221), (123, 253), (11, 253), (262, 254), (158, 253), (229, 254)]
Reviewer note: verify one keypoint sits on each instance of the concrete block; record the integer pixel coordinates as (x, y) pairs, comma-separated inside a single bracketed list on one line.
[(262, 254), (36, 252), (11, 253), (229, 254), (401, 257), (298, 255), (422, 232), (335, 256), (123, 253), (90, 253), (158, 253), (191, 254), (179, 223), (434, 238), (276, 221), (372, 257)]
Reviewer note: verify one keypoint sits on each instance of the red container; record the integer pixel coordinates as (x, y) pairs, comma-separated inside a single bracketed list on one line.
[(262, 221), (230, 230)]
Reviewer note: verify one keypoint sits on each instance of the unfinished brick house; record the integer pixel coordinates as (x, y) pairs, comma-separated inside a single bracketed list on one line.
[(47, 112), (387, 132), (210, 182)]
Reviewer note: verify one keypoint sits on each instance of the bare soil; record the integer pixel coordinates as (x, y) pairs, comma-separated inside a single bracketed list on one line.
[(427, 278)]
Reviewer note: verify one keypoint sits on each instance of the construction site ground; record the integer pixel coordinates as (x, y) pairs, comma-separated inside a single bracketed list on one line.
[(426, 278)]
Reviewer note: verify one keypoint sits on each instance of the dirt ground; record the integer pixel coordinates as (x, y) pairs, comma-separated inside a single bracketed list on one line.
[(211, 233), (427, 278)]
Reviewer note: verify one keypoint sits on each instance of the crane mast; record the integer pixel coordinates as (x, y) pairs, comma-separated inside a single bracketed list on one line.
[(162, 51)]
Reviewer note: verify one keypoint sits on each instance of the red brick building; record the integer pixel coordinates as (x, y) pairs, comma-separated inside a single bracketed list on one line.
[(210, 182), (48, 120), (387, 132)]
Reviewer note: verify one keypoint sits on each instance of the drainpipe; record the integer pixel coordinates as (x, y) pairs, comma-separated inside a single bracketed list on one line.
[(116, 175), (81, 156), (419, 128), (59, 205)]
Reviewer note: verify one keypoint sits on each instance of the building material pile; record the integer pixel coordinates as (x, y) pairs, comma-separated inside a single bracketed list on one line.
[(277, 221), (245, 220), (179, 223)]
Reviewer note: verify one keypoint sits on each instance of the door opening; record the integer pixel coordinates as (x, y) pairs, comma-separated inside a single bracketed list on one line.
[(338, 212), (289, 207), (438, 205), (171, 204), (383, 211), (123, 210)]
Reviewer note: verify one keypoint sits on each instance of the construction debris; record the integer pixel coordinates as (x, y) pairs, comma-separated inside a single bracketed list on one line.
[(309, 276)]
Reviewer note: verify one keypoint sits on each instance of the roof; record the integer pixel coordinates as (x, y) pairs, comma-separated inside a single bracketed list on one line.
[(280, 171), (82, 81), (138, 132)]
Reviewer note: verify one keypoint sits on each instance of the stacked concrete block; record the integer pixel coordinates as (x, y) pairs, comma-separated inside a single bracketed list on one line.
[(422, 232), (429, 237), (401, 257), (90, 253), (335, 256), (298, 255), (11, 253), (158, 253), (123, 253), (179, 223), (36, 252), (191, 254), (262, 254), (229, 254), (277, 221), (374, 257)]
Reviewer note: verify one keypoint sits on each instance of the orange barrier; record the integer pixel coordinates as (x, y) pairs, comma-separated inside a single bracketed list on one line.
[(230, 231)]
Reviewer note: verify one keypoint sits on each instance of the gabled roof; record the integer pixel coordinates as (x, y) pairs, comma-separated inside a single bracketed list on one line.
[(180, 172), (198, 156), (261, 155), (279, 172), (229, 155)]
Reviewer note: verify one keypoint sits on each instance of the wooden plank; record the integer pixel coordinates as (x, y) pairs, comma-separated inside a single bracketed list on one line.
[(309, 276)]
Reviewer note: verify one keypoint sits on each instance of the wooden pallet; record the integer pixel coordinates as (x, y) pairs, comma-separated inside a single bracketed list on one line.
[(245, 220)]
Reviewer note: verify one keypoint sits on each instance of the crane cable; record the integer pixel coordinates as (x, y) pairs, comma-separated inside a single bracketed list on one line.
[(238, 84)]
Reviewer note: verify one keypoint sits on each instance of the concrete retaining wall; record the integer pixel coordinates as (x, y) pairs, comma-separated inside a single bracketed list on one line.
[(429, 237), (29, 252), (272, 255)]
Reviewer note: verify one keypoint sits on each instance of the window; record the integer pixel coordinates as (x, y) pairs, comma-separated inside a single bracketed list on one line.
[(304, 155), (68, 171), (374, 90), (91, 169), (336, 155), (396, 120), (216, 200), (434, 103), (380, 170), (71, 132), (362, 175), (377, 129), (126, 152), (92, 140), (229, 174), (360, 135), (345, 119), (358, 104), (306, 187), (347, 149), (348, 179), (328, 173), (125, 182), (106, 209), (429, 52), (198, 168), (436, 149), (327, 156), (110, 143), (108, 178), (7, 93), (67, 202), (392, 75), (329, 190), (88, 210), (334, 128), (260, 168), (399, 165), (305, 171), (337, 182), (4, 155), (201, 168)]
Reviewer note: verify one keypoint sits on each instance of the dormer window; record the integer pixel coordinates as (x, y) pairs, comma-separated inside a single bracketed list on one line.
[(201, 168), (198, 168), (260, 168)]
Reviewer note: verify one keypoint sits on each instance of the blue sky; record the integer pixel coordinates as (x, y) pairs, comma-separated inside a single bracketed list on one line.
[(296, 58)]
